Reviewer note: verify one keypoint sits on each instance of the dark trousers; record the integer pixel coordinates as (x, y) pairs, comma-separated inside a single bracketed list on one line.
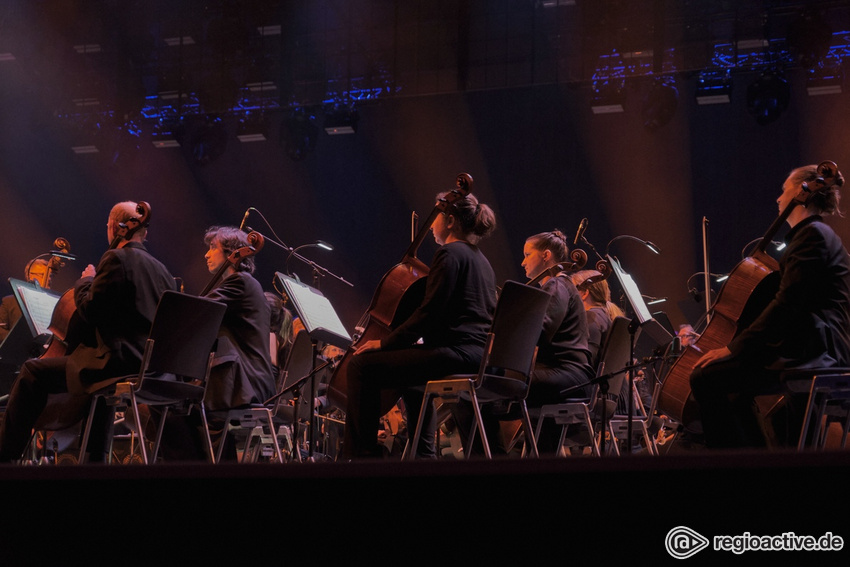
[(38, 379), (725, 393), (374, 373)]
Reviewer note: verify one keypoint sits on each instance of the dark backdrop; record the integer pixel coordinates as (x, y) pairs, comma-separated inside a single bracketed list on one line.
[(538, 155)]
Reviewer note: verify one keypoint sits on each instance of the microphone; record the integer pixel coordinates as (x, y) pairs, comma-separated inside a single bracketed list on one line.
[(244, 219), (582, 226)]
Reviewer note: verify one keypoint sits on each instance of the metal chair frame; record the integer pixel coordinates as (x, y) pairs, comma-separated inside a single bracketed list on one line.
[(175, 368), (505, 370)]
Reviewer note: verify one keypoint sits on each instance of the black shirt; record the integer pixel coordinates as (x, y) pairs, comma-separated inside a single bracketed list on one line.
[(460, 298)]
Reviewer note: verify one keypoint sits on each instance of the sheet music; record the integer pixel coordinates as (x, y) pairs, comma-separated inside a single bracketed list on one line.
[(632, 292), (316, 312), (40, 306)]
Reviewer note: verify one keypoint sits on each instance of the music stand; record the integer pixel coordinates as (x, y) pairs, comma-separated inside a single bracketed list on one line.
[(36, 304), (20, 344), (321, 323), (644, 323)]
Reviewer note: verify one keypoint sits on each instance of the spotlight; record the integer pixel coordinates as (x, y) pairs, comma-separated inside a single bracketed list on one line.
[(659, 107), (252, 127), (164, 134), (768, 96), (340, 119), (714, 87), (825, 80), (608, 96)]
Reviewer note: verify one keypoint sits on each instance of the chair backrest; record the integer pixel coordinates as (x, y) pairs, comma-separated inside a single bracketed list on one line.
[(184, 332), (516, 328), (616, 355)]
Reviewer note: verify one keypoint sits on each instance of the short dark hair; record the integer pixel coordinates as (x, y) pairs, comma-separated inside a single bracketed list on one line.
[(231, 238)]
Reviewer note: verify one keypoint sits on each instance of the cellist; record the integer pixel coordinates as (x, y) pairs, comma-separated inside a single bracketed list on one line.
[(118, 298), (804, 326), (452, 322), (242, 371)]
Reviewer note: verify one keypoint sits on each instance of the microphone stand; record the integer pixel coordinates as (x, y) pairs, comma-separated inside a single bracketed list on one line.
[(317, 271), (321, 270)]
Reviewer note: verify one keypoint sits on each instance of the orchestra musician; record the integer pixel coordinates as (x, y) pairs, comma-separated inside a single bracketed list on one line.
[(452, 322), (563, 356), (687, 334), (804, 325), (280, 332), (242, 372), (600, 310), (37, 270), (118, 298)]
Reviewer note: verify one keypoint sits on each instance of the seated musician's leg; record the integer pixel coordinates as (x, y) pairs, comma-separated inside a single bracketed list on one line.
[(362, 410), (37, 379), (724, 392), (371, 373)]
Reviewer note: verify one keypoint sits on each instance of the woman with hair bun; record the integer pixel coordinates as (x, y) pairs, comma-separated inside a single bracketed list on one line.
[(563, 356), (445, 335)]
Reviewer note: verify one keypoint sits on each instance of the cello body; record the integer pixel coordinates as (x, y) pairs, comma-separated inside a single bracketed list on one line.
[(751, 285), (397, 296)]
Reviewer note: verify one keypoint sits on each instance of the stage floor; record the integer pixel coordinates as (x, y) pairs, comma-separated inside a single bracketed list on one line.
[(547, 511)]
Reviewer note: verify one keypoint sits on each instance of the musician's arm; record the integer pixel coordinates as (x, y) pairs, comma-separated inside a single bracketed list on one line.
[(789, 313), (96, 296), (434, 307)]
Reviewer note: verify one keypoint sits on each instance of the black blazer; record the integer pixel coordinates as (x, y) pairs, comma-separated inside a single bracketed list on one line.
[(807, 324), (119, 302)]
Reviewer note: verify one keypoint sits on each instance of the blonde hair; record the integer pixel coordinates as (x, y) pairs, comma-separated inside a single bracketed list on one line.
[(599, 294)]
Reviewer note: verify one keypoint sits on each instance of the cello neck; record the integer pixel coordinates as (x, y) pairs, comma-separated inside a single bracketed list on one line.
[(774, 228), (420, 236)]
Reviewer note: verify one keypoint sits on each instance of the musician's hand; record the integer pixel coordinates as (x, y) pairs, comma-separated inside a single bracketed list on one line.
[(713, 356), (89, 271), (368, 345)]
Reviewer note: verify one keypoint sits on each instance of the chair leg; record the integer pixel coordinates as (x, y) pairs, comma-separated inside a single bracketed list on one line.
[(529, 433), (479, 420), (413, 443), (138, 421), (278, 453), (84, 441), (224, 431), (807, 418), (207, 438)]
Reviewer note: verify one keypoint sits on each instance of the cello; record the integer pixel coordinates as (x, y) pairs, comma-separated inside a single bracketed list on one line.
[(66, 327), (398, 294), (751, 284)]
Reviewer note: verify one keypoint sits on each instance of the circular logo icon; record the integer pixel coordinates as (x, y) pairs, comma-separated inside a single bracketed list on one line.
[(683, 542)]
